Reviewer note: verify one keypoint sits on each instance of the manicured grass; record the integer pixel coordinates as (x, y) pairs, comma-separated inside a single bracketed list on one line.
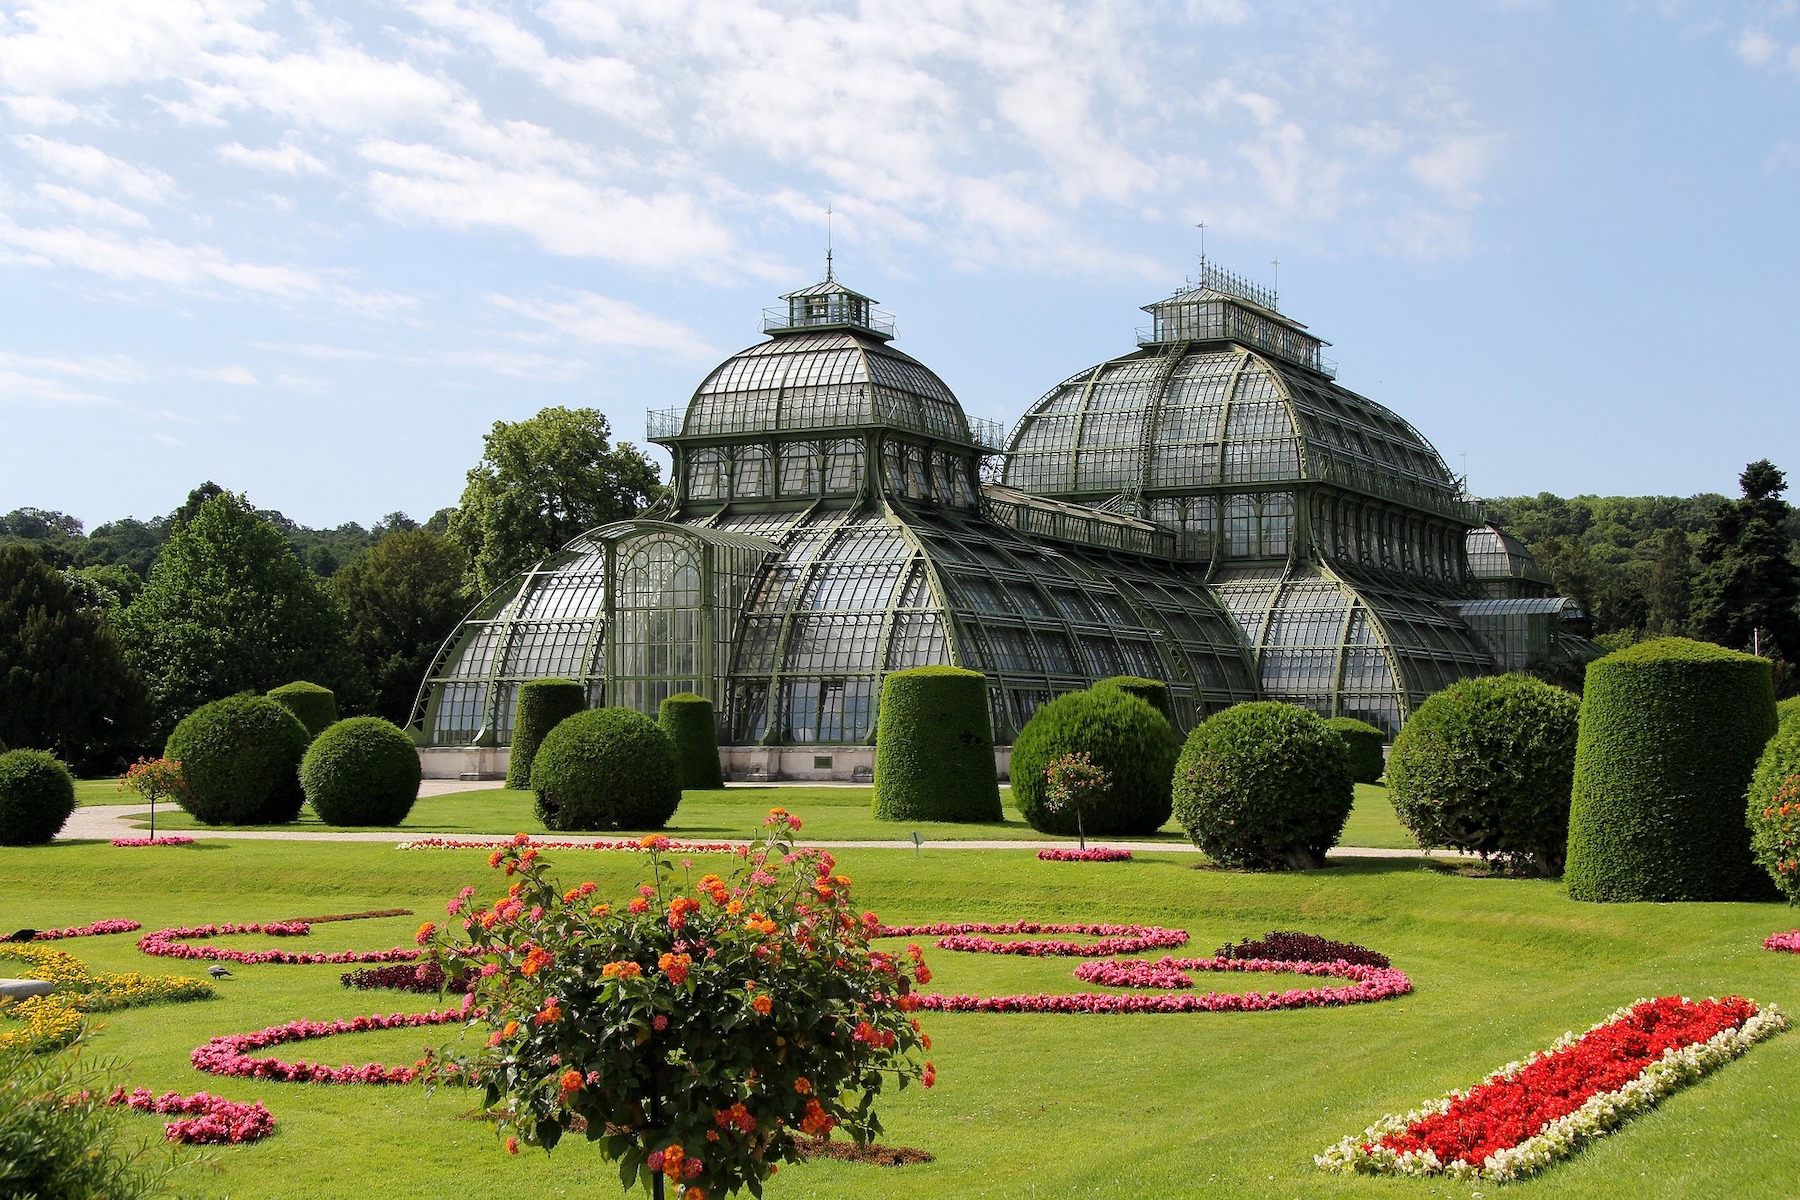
[(1230, 1105)]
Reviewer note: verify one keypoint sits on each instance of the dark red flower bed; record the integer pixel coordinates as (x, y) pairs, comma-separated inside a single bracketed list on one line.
[(425, 977), (1302, 947)]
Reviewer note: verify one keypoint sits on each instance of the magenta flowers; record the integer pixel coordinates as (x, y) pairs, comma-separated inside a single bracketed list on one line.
[(203, 1119), (1366, 984), (971, 937), (167, 839), (1789, 941), (1097, 854), (168, 943), (232, 1054), (94, 930)]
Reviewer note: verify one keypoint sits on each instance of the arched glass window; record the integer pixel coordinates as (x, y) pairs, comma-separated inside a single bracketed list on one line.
[(750, 478), (843, 467), (706, 475), (799, 469)]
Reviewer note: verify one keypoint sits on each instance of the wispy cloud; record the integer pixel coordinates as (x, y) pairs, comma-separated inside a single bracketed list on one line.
[(605, 321)]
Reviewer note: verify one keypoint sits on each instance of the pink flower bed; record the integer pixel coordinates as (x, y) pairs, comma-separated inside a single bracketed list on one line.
[(1098, 854), (602, 844), (232, 1054), (971, 937), (94, 930), (160, 840), (1366, 984), (204, 1119), (1789, 942), (168, 943)]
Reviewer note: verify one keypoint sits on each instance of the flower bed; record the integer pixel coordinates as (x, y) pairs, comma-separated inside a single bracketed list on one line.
[(425, 977), (169, 943), (204, 1119), (94, 930), (1302, 947), (168, 839), (524, 842), (1789, 942), (231, 1054), (1098, 854), (49, 1023), (1527, 1115), (100, 991), (1366, 984), (972, 937)]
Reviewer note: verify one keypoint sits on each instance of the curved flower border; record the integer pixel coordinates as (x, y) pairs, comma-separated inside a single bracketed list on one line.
[(970, 937), (1789, 942), (1599, 1115), (1367, 984), (169, 943), (1098, 854), (205, 1119), (231, 1054), (160, 840), (95, 930), (602, 844)]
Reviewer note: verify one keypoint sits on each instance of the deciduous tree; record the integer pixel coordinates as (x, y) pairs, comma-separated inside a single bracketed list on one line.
[(402, 597)]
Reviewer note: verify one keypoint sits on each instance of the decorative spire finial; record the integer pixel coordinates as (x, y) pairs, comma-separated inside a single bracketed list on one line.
[(828, 278)]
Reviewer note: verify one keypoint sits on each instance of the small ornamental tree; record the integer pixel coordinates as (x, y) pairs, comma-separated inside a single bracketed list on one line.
[(688, 720), (157, 780), (698, 1030), (1073, 784)]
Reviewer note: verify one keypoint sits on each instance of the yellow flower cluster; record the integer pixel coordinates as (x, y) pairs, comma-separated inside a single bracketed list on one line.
[(100, 991), (49, 1023)]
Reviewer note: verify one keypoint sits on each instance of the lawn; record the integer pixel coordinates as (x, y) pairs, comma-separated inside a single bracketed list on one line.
[(1026, 1106)]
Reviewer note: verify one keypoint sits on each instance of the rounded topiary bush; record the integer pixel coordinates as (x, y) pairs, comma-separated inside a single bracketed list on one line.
[(543, 704), (361, 771), (606, 768), (688, 720), (1153, 692), (1788, 710), (1486, 765), (241, 757), (1671, 730), (1363, 743), (1775, 810), (1124, 736), (36, 797), (934, 748), (1264, 786), (315, 706)]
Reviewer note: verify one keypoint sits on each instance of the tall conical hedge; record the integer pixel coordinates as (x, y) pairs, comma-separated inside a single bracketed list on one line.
[(934, 748), (541, 707), (1670, 733), (315, 706), (688, 720)]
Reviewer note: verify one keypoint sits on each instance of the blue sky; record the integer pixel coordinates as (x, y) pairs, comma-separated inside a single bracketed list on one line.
[(312, 251)]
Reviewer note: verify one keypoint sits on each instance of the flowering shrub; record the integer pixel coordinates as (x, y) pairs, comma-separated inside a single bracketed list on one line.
[(94, 930), (165, 840), (970, 937), (697, 1030), (156, 780), (204, 1119), (1775, 836), (167, 943), (1789, 941), (230, 1054), (426, 977), (1302, 947), (1527, 1115), (1073, 784), (1367, 984), (634, 845), (1098, 854)]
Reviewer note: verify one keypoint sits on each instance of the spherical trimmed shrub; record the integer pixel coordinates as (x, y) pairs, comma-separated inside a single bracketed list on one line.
[(606, 768), (1363, 743), (37, 795), (1264, 786), (688, 720), (1670, 733), (241, 756), (1775, 810), (315, 706), (1486, 765), (1788, 710), (934, 748), (543, 704), (1153, 692), (1127, 738), (361, 771)]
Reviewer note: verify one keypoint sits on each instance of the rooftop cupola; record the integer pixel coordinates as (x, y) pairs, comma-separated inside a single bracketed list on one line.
[(1223, 307), (828, 304)]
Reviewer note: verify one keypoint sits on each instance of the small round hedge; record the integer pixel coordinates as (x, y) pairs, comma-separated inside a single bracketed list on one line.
[(1128, 739), (361, 771), (1153, 692), (315, 706), (1264, 786), (36, 797), (1486, 765), (688, 720), (1775, 810), (1788, 710), (543, 704), (606, 768), (241, 756), (934, 748), (1363, 743), (1670, 733)]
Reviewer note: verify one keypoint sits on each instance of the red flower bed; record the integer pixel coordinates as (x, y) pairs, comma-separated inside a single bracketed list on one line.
[(230, 1054), (1789, 942), (94, 930), (522, 840), (168, 943), (1302, 947), (1367, 984), (205, 1119), (160, 840), (1098, 854), (970, 937), (425, 978)]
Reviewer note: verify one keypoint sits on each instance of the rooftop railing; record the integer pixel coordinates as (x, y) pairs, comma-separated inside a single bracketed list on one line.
[(777, 320), (663, 422)]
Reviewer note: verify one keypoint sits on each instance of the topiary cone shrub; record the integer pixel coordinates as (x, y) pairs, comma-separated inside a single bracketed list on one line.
[(543, 704), (606, 768), (1264, 786), (37, 795), (241, 756), (315, 706), (1670, 733), (934, 748), (1124, 736), (1788, 710), (361, 771), (1775, 810), (688, 720), (1153, 692), (1486, 765), (1363, 743)]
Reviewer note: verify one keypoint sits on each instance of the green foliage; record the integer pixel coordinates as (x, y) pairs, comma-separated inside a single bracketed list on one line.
[(689, 722), (1748, 584), (541, 482), (1153, 692), (315, 706), (1486, 765), (1264, 786), (64, 684), (230, 609), (934, 748), (37, 795), (542, 705), (59, 1139), (401, 598), (1075, 784), (1363, 743), (1774, 810), (1788, 710), (1128, 739), (362, 771), (1671, 730), (241, 757), (606, 768)]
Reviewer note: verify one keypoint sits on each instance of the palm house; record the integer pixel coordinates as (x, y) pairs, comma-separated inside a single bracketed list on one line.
[(1211, 510)]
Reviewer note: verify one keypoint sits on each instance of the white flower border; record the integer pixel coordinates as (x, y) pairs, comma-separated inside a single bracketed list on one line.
[(1601, 1114)]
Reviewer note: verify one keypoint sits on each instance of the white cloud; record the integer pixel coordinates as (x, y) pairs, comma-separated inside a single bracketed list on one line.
[(1756, 47), (239, 376), (117, 368), (605, 321), (1454, 166), (95, 168), (285, 159), (96, 208)]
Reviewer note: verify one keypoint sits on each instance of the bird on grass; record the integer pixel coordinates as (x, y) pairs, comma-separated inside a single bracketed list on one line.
[(23, 935), (218, 972)]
